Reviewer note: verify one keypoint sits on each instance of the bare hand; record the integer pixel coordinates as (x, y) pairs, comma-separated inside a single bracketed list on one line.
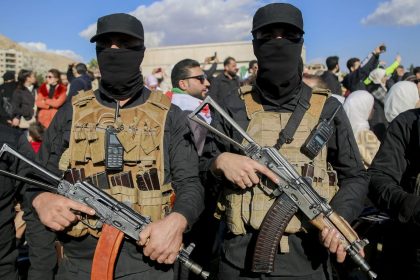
[(162, 240), (378, 50), (398, 58), (330, 239), (54, 210), (241, 170), (15, 122)]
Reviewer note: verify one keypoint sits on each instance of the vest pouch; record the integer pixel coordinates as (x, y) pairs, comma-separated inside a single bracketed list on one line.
[(126, 195), (149, 203), (129, 141), (323, 183), (232, 211), (97, 148), (78, 151), (260, 204), (149, 138), (80, 229)]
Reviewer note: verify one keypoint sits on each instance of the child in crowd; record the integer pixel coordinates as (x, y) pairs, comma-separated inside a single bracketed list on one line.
[(36, 131)]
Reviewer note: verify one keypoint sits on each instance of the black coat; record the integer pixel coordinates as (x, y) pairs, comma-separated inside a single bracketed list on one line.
[(222, 86), (23, 102), (354, 80), (393, 189), (332, 82)]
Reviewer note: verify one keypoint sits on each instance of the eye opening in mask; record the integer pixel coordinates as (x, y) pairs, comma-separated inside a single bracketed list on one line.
[(121, 41), (279, 31)]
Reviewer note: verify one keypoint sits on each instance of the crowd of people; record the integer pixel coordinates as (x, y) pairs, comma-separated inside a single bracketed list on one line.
[(197, 187)]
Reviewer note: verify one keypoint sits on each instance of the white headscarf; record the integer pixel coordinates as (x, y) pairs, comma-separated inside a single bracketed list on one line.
[(358, 106), (401, 97), (377, 75)]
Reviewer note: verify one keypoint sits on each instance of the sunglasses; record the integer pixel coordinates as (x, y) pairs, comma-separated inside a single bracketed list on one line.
[(49, 77), (201, 78)]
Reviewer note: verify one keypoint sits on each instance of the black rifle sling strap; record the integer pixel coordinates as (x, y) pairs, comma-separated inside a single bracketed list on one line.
[(287, 133)]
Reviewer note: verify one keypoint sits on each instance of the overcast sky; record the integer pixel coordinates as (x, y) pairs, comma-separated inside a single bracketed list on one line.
[(343, 28)]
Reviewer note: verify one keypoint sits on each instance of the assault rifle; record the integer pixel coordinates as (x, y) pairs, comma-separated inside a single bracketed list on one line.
[(107, 209), (293, 193)]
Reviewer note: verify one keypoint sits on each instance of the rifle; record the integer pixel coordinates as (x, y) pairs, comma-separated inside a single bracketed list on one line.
[(292, 193), (109, 211)]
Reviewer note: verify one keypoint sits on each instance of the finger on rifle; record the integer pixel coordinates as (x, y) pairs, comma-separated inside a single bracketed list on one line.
[(341, 254), (55, 226), (254, 178), (267, 172), (69, 216), (335, 242), (159, 258), (247, 182), (62, 221), (329, 237), (144, 236), (76, 206), (171, 259)]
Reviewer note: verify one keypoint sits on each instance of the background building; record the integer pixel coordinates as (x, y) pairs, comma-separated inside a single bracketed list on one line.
[(167, 57)]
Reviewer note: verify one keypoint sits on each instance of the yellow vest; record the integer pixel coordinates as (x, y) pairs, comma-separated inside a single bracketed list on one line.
[(140, 131)]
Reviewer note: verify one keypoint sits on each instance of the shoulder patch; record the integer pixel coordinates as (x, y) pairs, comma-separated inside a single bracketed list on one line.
[(159, 99), (82, 98)]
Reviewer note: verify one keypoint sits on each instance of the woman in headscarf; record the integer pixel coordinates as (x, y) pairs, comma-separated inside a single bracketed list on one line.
[(401, 97), (51, 96), (359, 108)]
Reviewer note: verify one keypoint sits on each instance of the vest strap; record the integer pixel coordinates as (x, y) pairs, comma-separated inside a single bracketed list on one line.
[(286, 134)]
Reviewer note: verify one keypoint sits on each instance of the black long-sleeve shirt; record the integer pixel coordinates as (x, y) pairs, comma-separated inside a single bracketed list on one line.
[(343, 154), (354, 80)]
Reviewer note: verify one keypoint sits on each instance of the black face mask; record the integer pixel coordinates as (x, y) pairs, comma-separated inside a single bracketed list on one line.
[(279, 74), (121, 77)]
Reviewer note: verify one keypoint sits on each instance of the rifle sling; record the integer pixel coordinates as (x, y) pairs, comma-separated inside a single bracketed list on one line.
[(106, 253), (271, 231), (287, 133)]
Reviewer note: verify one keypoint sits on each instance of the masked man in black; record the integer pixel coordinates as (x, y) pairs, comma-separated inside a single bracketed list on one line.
[(159, 160), (264, 110)]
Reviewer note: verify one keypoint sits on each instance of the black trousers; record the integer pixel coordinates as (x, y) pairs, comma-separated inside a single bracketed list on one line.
[(42, 252), (70, 270), (8, 259), (229, 272)]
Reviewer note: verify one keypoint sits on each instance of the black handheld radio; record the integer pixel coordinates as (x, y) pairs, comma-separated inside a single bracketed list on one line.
[(319, 137), (114, 150)]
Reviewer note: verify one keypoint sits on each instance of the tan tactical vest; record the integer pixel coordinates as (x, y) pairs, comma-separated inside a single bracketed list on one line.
[(247, 208), (140, 131)]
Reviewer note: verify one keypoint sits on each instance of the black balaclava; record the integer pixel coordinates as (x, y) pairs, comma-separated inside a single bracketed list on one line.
[(121, 77), (279, 76)]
